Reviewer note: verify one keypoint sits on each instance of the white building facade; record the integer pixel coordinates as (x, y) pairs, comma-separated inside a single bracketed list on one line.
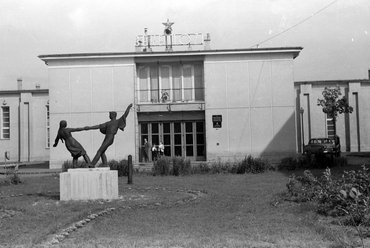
[(203, 105)]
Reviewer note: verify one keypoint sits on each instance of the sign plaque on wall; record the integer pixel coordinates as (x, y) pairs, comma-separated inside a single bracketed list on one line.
[(217, 121)]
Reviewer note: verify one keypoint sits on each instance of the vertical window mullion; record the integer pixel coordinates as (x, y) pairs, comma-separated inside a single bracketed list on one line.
[(182, 83), (2, 123), (194, 140), (171, 82), (138, 84), (47, 127), (192, 83), (172, 138), (148, 82), (160, 82)]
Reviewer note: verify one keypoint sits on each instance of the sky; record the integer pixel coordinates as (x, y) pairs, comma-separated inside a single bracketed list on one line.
[(334, 34)]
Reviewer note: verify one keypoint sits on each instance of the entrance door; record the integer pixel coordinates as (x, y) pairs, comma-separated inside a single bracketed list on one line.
[(180, 138)]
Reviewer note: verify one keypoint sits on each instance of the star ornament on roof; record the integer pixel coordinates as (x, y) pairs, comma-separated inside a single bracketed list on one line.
[(168, 28)]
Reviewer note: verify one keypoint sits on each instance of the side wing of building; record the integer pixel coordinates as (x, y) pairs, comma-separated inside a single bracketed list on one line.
[(352, 129), (24, 125)]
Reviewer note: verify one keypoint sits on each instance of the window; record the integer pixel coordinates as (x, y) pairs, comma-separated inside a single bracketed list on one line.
[(170, 83), (5, 123), (47, 127)]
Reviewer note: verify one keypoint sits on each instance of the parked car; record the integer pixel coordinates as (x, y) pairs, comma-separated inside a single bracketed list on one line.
[(322, 146)]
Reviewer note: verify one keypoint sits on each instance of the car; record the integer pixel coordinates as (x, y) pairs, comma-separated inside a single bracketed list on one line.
[(322, 146)]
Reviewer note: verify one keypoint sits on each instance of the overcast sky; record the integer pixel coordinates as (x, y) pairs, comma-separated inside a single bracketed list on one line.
[(335, 35)]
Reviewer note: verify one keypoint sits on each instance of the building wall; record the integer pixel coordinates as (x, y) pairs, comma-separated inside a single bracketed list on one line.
[(252, 90), (83, 94), (28, 131), (351, 128), (255, 96)]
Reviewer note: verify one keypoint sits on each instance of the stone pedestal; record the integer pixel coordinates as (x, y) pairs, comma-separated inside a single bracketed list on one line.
[(89, 184)]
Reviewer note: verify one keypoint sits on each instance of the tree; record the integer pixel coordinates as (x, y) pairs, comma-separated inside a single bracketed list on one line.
[(332, 105)]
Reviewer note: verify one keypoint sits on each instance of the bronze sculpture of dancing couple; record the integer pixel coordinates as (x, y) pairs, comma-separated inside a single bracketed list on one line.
[(109, 129)]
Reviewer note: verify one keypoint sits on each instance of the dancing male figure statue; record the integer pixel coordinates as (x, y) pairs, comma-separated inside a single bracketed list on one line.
[(110, 129)]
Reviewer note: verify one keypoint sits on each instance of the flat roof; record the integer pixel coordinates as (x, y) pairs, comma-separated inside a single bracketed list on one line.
[(339, 81), (24, 91), (294, 50)]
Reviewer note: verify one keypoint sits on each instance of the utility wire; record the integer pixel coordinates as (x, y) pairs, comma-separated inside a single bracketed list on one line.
[(296, 24)]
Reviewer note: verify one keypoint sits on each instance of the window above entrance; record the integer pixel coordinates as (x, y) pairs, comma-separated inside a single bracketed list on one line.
[(166, 83)]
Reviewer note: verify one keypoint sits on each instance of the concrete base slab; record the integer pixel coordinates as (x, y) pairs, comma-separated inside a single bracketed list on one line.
[(89, 184)]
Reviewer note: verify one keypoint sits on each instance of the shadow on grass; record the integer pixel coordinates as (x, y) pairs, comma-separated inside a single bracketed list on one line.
[(50, 195), (355, 162)]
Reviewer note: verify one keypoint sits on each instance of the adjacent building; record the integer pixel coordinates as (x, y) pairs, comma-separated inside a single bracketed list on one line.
[(312, 122), (24, 124)]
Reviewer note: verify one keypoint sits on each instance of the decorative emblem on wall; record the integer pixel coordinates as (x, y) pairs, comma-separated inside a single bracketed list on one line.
[(165, 96)]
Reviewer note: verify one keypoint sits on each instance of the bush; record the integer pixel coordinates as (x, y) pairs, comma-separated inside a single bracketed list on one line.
[(161, 167), (317, 161), (12, 176), (348, 196), (293, 163), (121, 166), (247, 165), (255, 165), (250, 165), (175, 166), (180, 166), (220, 167), (68, 165), (201, 168)]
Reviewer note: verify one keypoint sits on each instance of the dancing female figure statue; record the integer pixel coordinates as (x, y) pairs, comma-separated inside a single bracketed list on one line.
[(72, 145)]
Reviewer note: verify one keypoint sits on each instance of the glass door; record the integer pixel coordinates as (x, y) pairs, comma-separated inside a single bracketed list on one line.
[(180, 138)]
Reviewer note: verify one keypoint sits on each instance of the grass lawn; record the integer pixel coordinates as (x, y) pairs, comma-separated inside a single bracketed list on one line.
[(228, 211)]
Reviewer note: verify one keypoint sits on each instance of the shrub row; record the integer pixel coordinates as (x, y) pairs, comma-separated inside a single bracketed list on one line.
[(176, 166), (121, 166), (304, 163), (348, 196), (179, 166)]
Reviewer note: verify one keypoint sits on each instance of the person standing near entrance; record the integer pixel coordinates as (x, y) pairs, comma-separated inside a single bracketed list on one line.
[(154, 152), (146, 150), (161, 148)]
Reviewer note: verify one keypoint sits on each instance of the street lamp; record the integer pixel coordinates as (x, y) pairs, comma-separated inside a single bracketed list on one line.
[(302, 126)]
